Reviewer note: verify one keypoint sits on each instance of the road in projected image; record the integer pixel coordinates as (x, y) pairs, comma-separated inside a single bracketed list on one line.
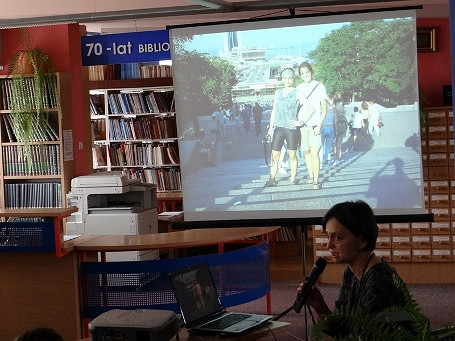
[(384, 170)]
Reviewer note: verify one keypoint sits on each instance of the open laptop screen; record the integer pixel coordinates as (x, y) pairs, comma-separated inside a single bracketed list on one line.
[(195, 293)]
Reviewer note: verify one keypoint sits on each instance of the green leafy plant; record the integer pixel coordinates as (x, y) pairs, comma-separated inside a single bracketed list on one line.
[(398, 323), (33, 79)]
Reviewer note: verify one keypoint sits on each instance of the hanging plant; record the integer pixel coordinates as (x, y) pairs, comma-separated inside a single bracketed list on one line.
[(33, 80)]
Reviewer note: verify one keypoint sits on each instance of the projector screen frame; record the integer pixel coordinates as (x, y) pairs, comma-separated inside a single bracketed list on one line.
[(284, 17), (307, 221), (382, 217)]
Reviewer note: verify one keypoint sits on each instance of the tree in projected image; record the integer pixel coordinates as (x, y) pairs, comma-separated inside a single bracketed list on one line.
[(209, 86), (363, 60)]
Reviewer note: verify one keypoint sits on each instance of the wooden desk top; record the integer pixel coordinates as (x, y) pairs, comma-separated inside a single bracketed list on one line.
[(267, 329), (169, 196), (37, 212), (161, 241)]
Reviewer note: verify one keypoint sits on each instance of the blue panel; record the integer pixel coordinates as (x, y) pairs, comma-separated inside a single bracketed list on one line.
[(148, 46), (27, 236), (240, 276)]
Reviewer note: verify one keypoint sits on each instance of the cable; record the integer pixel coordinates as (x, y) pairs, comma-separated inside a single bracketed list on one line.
[(271, 331)]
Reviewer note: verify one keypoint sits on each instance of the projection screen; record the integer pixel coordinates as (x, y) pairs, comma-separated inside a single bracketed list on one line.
[(222, 71)]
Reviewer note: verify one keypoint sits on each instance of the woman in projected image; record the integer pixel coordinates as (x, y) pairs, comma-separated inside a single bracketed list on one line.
[(284, 125), (311, 121)]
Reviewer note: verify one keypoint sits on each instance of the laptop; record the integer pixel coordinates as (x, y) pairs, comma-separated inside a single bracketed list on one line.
[(200, 305)]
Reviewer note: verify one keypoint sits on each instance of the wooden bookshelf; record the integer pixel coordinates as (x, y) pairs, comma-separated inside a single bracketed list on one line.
[(43, 182), (134, 130), (131, 83)]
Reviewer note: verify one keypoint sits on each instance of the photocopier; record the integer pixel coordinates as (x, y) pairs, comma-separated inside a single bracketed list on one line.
[(111, 204)]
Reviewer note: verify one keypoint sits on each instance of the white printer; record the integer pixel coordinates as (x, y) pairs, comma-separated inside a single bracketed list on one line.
[(111, 204)]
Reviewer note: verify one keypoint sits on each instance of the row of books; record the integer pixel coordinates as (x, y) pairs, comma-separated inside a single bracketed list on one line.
[(139, 103), (98, 129), (45, 160), (156, 71), (128, 71), (148, 155), (33, 195), (97, 104), (27, 94), (145, 128), (165, 179), (46, 131), (286, 234), (99, 156)]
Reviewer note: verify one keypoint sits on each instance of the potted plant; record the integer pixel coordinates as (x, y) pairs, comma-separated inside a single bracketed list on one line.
[(395, 323), (33, 79)]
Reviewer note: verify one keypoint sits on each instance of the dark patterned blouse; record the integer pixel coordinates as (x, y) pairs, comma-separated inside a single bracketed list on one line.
[(375, 292)]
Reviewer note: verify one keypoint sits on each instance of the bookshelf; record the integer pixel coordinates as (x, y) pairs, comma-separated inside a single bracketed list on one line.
[(43, 182), (134, 130)]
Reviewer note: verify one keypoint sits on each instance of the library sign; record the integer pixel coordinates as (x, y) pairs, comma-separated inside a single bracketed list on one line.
[(147, 46)]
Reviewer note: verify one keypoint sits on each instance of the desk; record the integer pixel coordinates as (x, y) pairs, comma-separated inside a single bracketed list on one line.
[(90, 246), (38, 288), (268, 329), (170, 240), (56, 213)]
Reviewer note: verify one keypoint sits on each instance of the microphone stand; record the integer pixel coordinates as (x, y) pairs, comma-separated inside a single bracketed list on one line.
[(306, 308), (276, 318)]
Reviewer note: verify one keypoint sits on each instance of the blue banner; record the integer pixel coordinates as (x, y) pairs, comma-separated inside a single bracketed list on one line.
[(148, 46)]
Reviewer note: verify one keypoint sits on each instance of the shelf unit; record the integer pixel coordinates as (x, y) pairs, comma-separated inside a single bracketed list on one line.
[(134, 130), (44, 182)]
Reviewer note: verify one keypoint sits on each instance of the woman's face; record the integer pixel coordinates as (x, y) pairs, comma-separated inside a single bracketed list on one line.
[(344, 246), (287, 80), (305, 74)]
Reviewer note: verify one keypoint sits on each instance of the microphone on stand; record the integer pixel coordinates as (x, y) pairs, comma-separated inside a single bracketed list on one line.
[(302, 296)]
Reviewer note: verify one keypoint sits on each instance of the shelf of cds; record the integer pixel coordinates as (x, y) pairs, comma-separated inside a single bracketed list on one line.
[(36, 174), (134, 131)]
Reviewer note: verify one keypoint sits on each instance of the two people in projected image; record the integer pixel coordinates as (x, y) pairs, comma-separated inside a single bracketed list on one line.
[(311, 121), (368, 285), (285, 125)]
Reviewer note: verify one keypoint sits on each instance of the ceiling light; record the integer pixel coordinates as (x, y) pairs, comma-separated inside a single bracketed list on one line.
[(214, 4)]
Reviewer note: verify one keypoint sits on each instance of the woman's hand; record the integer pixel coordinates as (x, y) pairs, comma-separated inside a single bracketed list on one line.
[(315, 300), (296, 123)]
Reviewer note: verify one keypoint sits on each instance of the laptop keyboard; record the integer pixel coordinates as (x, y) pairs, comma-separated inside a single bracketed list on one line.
[(226, 321)]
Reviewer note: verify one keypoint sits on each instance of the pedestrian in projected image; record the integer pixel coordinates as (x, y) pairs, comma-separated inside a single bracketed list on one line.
[(284, 125), (311, 121)]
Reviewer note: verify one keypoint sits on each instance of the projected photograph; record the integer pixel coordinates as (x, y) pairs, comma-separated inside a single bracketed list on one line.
[(285, 118)]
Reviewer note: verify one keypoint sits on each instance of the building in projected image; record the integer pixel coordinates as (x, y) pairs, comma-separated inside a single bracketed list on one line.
[(231, 41)]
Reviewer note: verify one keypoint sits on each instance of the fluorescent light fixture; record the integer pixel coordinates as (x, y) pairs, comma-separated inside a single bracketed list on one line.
[(214, 4)]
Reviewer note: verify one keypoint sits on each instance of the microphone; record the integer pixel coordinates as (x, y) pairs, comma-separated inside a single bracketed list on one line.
[(302, 296)]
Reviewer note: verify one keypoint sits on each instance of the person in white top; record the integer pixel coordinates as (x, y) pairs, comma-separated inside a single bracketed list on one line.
[(357, 126), (374, 118), (311, 121)]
